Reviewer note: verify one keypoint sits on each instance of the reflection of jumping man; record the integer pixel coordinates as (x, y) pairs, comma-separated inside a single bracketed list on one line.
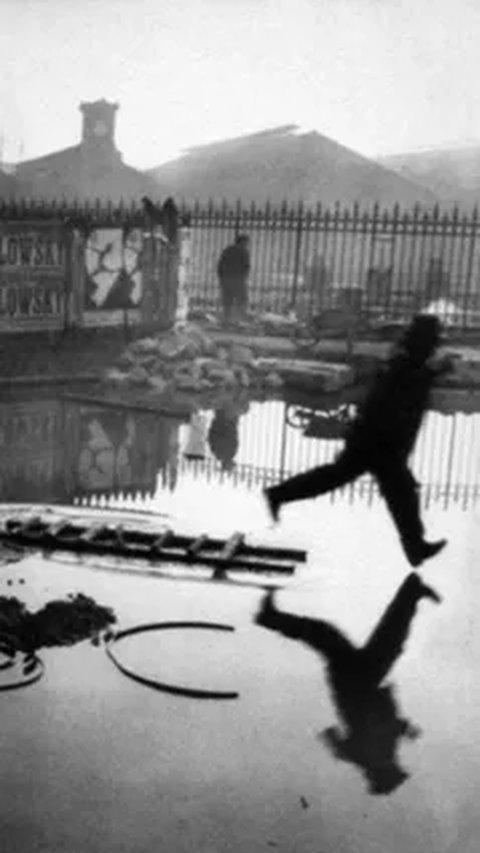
[(381, 439), (372, 727)]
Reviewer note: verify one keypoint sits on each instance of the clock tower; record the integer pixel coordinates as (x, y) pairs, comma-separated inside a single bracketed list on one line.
[(98, 131)]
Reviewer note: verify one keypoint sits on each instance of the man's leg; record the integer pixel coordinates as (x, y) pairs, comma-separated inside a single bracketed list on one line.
[(235, 313), (400, 491), (242, 300), (227, 300), (317, 481)]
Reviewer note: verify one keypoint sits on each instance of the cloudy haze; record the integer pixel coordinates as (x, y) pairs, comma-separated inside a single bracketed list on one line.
[(379, 76)]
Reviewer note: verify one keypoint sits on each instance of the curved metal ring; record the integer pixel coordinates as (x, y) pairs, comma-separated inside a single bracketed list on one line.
[(191, 692)]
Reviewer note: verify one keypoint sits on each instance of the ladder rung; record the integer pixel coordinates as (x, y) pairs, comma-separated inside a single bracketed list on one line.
[(196, 546), (92, 533), (55, 530), (232, 546), (162, 541)]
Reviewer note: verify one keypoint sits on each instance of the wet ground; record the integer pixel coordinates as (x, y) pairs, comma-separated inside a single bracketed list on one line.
[(93, 761)]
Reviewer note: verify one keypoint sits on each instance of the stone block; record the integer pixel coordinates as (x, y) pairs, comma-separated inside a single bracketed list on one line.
[(188, 383), (144, 345), (243, 377), (466, 373), (146, 360), (157, 384), (197, 336), (116, 377), (314, 375), (127, 359), (240, 354), (171, 349), (190, 368), (272, 379), (222, 354), (208, 363), (222, 376), (161, 368), (205, 385), (265, 364), (138, 376)]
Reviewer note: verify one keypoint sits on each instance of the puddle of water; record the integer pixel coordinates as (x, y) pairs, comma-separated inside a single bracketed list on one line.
[(152, 770), (63, 452)]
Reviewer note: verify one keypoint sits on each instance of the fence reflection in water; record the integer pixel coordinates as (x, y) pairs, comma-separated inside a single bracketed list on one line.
[(59, 452), (446, 459)]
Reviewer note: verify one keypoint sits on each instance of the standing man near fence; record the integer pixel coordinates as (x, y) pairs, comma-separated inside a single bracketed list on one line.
[(233, 270)]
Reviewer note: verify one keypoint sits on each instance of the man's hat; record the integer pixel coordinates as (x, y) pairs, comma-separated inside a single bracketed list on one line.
[(424, 327)]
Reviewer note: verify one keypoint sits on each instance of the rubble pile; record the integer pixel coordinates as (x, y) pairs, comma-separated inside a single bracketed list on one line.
[(187, 359), (58, 623)]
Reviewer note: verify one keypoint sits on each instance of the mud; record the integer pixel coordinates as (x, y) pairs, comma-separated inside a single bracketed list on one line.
[(10, 553), (58, 623)]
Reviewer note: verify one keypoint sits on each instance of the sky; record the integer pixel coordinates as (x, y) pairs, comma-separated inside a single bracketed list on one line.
[(379, 76)]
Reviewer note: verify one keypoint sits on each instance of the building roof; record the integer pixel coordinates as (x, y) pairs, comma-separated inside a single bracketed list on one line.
[(9, 186), (75, 173), (92, 169), (285, 164), (452, 173)]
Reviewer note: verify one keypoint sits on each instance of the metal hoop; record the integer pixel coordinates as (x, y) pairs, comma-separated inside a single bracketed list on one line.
[(190, 692)]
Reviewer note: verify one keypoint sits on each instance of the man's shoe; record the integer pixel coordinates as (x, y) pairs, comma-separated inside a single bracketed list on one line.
[(425, 551), (430, 549)]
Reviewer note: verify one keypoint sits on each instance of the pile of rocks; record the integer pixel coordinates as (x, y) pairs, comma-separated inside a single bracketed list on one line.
[(187, 359)]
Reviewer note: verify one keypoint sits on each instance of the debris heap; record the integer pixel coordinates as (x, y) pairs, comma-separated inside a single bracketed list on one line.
[(189, 360)]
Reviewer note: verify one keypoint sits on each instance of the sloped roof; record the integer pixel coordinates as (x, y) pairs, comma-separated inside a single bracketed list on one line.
[(452, 173), (284, 164), (9, 186), (76, 172)]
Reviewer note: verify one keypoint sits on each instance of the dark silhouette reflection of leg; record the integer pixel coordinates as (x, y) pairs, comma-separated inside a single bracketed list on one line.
[(371, 723)]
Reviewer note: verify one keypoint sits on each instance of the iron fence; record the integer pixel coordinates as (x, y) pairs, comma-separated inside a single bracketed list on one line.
[(381, 264), (384, 265)]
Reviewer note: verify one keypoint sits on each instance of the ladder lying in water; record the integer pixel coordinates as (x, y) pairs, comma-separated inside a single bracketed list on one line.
[(168, 546)]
